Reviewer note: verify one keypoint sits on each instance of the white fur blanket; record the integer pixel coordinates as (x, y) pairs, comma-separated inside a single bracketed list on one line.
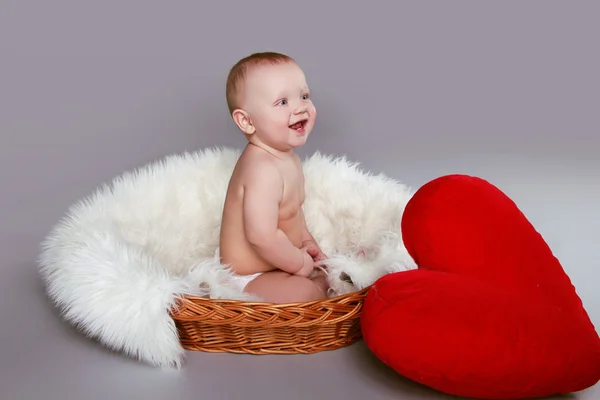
[(118, 260)]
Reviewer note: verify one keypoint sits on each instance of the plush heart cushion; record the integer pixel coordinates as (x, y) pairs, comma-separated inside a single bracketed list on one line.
[(490, 313)]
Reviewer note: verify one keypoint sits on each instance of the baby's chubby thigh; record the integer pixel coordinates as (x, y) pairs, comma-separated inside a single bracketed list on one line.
[(282, 287)]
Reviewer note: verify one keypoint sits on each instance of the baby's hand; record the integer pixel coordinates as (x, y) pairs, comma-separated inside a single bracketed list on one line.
[(308, 265), (314, 250)]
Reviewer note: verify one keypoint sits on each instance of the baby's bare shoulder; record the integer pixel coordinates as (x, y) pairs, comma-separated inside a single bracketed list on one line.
[(261, 173)]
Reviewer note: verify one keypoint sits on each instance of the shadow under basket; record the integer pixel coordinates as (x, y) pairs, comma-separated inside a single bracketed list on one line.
[(265, 328)]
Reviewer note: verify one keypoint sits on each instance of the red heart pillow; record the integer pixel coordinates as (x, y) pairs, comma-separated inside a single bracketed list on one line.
[(490, 313)]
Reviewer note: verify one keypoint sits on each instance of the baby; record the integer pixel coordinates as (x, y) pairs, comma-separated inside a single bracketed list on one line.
[(264, 237)]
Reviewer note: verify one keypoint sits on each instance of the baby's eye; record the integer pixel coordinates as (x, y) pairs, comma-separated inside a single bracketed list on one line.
[(282, 102), (305, 96)]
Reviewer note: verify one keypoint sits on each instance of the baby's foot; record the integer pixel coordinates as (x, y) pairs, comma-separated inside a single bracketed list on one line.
[(320, 279)]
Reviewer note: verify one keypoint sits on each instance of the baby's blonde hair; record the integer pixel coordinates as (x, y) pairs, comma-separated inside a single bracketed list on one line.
[(238, 73)]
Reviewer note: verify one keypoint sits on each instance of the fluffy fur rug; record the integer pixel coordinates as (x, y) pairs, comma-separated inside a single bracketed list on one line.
[(119, 258)]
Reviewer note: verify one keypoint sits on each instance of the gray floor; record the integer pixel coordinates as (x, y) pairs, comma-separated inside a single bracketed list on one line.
[(504, 90)]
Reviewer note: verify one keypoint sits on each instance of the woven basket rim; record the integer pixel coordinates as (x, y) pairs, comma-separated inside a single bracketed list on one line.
[(336, 299)]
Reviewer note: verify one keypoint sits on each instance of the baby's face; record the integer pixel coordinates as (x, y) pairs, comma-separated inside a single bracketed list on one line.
[(277, 100)]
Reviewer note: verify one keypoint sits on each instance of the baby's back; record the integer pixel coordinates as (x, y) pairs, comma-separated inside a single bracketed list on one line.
[(235, 249)]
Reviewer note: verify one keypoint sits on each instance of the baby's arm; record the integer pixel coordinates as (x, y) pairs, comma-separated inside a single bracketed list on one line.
[(263, 193)]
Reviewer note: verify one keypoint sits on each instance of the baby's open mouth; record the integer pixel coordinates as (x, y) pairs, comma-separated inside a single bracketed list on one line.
[(299, 126)]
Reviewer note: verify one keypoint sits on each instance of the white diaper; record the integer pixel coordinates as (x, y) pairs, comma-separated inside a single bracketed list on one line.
[(239, 281)]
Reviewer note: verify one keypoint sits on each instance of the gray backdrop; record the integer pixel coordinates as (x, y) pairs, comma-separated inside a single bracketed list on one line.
[(504, 90)]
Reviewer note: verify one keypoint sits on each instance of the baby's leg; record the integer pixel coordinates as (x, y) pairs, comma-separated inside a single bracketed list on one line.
[(281, 287)]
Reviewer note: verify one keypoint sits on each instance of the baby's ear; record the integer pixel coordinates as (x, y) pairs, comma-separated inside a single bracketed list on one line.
[(242, 120)]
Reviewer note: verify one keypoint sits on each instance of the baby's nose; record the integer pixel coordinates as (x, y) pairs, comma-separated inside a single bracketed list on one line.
[(301, 108)]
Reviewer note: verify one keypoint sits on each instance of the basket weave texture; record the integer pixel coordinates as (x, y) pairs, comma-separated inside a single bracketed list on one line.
[(264, 328)]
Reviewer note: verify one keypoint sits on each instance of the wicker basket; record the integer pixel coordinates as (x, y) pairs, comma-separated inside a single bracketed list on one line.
[(265, 328)]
